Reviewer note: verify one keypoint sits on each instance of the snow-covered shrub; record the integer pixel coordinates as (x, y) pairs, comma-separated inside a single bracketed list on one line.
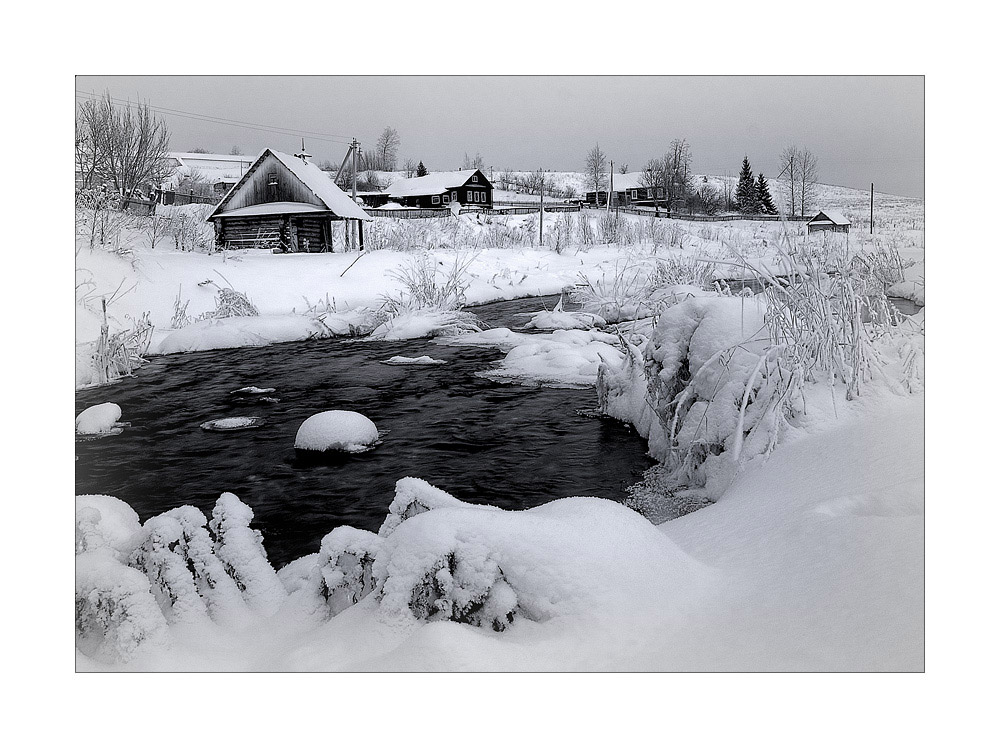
[(430, 302), (116, 615), (344, 567), (215, 586), (161, 558), (637, 286), (415, 496), (242, 553), (106, 522), (117, 354), (722, 379)]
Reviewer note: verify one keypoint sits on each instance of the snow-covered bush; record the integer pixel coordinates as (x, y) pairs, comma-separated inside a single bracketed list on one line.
[(108, 523), (430, 303), (116, 616), (344, 567), (161, 557), (722, 379), (242, 553), (415, 496)]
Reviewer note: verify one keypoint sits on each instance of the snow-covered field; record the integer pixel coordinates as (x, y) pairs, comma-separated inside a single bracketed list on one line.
[(808, 556)]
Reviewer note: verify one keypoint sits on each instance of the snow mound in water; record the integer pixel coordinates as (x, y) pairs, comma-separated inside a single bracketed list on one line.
[(567, 358), (252, 390), (342, 430), (418, 361), (560, 320), (235, 423), (98, 419)]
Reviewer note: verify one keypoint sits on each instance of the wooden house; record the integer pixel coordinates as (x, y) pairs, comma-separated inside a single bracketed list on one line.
[(442, 188), (285, 203), (829, 220), (627, 189)]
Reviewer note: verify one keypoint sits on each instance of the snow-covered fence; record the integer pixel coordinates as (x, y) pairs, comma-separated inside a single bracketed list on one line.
[(664, 213)]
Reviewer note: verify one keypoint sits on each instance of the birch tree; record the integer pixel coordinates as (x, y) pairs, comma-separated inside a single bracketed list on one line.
[(596, 169)]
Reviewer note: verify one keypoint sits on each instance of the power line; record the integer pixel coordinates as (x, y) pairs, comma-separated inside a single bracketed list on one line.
[(328, 137)]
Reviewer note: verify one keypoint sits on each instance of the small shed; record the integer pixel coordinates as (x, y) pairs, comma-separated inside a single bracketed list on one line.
[(440, 189), (829, 220), (285, 203)]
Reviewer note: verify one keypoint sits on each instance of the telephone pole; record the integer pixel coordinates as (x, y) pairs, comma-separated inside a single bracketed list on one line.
[(871, 220), (354, 189)]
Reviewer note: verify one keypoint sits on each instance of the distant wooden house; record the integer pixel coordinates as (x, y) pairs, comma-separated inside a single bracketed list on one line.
[(285, 203), (626, 190), (441, 189), (829, 220)]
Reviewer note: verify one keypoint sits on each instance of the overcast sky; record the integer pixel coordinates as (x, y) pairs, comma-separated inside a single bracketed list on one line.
[(862, 129)]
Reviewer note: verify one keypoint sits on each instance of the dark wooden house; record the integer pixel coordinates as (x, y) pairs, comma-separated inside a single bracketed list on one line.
[(628, 189), (828, 220), (285, 203), (442, 188)]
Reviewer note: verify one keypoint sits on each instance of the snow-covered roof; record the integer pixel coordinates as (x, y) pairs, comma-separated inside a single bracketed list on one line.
[(225, 160), (630, 181), (266, 209), (317, 180), (432, 184), (837, 219), (322, 186)]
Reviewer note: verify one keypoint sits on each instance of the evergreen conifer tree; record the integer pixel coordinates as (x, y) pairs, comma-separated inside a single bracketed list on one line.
[(746, 189), (421, 170), (764, 196)]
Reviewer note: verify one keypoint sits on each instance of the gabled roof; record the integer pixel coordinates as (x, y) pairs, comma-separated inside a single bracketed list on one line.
[(317, 180), (630, 181), (432, 184), (837, 219)]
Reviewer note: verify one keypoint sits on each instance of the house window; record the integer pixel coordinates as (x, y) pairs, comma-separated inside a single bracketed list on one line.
[(446, 199), (272, 179), (475, 177), (435, 199), (454, 196), (635, 194)]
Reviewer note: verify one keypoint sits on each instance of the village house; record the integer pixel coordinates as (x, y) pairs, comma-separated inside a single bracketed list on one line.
[(285, 203), (220, 171), (829, 220), (627, 189), (442, 188)]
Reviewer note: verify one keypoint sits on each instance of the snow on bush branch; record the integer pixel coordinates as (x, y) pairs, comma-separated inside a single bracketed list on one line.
[(722, 379)]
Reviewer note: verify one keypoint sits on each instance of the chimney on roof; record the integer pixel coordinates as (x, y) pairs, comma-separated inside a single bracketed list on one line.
[(302, 154)]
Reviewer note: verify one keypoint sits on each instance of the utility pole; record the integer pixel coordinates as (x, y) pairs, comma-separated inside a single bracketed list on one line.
[(611, 187), (354, 188), (871, 221), (541, 204)]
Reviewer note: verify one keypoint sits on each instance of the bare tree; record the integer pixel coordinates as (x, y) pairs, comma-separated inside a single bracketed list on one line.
[(654, 179), (596, 168), (476, 162), (808, 169), (125, 143), (387, 149), (791, 158), (410, 167), (623, 169), (235, 151)]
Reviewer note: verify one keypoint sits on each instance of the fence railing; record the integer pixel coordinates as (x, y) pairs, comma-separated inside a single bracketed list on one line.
[(496, 210), (664, 213)]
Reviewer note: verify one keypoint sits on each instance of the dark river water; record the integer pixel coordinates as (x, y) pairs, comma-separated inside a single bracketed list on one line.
[(507, 445)]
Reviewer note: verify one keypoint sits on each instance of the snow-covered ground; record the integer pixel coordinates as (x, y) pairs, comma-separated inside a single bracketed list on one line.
[(811, 561), (810, 557)]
